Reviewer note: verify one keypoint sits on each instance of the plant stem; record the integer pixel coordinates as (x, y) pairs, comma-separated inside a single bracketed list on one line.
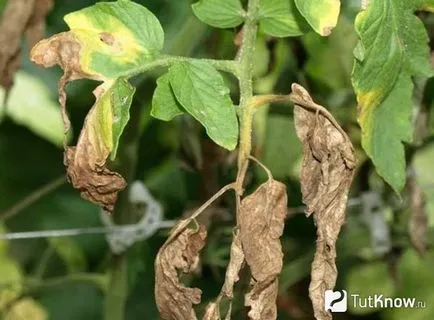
[(33, 197), (229, 66), (117, 292), (245, 76)]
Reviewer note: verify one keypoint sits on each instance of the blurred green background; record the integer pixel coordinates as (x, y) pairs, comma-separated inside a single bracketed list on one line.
[(67, 278)]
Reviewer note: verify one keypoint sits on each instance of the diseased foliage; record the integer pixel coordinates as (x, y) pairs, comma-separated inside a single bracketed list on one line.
[(174, 300), (112, 42), (327, 172)]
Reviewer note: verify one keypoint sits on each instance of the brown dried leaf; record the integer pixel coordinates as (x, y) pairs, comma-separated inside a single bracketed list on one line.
[(326, 176), (179, 255), (232, 276), (261, 219), (212, 311), (18, 17), (36, 25), (62, 49), (235, 263), (262, 301), (12, 25), (418, 225), (86, 162)]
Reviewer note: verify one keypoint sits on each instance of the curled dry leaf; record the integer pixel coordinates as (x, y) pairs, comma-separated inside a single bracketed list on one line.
[(232, 276), (326, 175), (262, 301), (212, 311), (235, 263), (261, 220), (418, 225), (86, 162), (178, 255), (19, 16)]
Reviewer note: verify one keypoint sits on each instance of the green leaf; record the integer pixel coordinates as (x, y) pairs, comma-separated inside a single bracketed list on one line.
[(322, 15), (200, 89), (164, 104), (30, 104), (392, 49), (115, 37), (108, 117), (219, 13), (280, 18), (122, 93)]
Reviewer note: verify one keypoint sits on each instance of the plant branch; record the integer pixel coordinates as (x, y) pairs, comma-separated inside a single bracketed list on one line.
[(229, 66), (261, 100), (33, 197), (245, 76), (184, 223)]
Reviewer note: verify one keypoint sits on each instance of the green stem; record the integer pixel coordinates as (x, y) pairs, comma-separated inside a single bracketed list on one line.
[(117, 292), (245, 76), (229, 66)]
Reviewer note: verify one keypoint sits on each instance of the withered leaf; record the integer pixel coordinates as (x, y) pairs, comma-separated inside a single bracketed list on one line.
[(262, 301), (36, 25), (235, 263), (62, 49), (86, 163), (326, 175), (261, 220), (178, 256), (418, 224), (212, 311), (19, 17)]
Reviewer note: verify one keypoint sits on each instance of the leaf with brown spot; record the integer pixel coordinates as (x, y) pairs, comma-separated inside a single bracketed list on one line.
[(418, 224), (179, 255), (19, 17), (261, 220), (326, 175), (103, 125)]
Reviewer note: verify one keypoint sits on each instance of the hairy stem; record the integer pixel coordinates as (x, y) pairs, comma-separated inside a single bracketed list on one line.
[(245, 76)]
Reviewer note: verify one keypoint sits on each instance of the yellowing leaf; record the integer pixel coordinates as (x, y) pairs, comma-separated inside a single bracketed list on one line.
[(115, 37), (107, 42), (392, 49), (98, 138), (322, 15)]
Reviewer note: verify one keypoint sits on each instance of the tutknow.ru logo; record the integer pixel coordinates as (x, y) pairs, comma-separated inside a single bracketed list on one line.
[(337, 301)]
